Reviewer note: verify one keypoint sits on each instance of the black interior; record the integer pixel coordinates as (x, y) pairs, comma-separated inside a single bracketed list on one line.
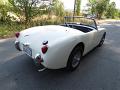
[(79, 27)]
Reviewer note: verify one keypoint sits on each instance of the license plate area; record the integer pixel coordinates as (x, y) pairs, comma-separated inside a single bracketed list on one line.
[(27, 50)]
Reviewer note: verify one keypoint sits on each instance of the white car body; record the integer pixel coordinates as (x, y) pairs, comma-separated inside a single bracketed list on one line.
[(61, 41)]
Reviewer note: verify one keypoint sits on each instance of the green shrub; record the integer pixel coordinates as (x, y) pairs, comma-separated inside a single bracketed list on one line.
[(8, 30)]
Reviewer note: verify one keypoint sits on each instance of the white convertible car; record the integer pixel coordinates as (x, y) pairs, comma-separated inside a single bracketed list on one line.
[(61, 46)]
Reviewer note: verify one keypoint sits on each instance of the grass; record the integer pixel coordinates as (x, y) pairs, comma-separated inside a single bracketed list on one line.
[(8, 29)]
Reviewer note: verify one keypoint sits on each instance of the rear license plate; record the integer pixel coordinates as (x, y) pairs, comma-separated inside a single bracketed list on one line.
[(27, 50)]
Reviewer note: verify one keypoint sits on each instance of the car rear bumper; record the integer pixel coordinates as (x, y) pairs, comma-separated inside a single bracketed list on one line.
[(17, 46), (47, 61), (37, 59)]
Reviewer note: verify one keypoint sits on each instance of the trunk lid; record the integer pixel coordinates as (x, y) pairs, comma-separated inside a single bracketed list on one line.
[(47, 33)]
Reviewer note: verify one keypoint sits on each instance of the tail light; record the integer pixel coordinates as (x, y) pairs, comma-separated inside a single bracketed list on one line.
[(44, 49), (17, 34)]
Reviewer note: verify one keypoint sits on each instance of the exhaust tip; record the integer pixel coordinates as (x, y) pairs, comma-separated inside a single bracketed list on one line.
[(38, 59)]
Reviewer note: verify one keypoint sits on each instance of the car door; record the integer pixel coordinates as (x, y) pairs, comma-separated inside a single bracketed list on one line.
[(95, 40), (92, 40)]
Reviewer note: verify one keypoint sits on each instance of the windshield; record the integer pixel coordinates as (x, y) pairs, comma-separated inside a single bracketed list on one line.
[(80, 21)]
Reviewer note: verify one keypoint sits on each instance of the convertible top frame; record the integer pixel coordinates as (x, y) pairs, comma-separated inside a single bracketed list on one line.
[(73, 17)]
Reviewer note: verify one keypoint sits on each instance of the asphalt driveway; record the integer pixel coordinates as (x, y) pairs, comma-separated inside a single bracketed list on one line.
[(99, 70)]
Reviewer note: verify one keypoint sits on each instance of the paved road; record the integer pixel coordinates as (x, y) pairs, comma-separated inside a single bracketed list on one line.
[(99, 70)]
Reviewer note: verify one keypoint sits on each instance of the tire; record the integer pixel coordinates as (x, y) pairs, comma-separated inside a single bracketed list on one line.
[(74, 59), (102, 40)]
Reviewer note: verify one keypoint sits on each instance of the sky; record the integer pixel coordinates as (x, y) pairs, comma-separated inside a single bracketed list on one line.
[(69, 4)]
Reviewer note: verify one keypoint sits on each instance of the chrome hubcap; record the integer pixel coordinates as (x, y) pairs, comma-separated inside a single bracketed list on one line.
[(76, 59)]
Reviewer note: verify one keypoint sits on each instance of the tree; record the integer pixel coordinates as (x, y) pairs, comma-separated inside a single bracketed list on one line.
[(58, 8), (26, 8), (78, 4), (111, 10), (118, 13), (4, 8), (98, 7), (92, 4)]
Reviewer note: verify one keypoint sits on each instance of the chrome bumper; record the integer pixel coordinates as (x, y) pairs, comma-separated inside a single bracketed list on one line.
[(17, 46)]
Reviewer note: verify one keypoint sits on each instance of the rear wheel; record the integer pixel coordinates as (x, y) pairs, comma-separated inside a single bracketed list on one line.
[(74, 59), (102, 40)]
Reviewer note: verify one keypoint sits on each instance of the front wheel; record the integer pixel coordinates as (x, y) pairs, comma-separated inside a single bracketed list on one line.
[(74, 59)]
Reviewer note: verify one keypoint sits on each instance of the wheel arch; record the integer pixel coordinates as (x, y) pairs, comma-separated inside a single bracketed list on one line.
[(80, 44)]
